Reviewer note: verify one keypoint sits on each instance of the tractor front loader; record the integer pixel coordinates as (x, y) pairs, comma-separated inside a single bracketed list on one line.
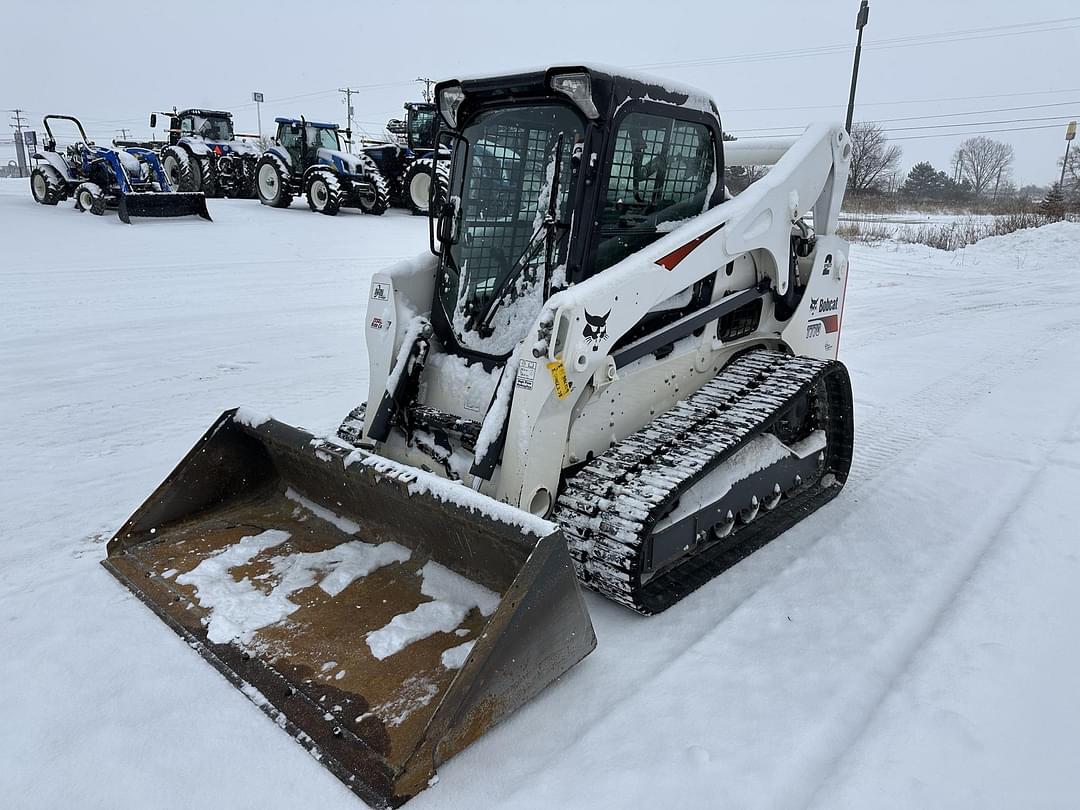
[(130, 180), (610, 371)]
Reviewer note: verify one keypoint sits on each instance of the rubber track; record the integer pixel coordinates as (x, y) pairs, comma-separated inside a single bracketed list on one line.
[(608, 508)]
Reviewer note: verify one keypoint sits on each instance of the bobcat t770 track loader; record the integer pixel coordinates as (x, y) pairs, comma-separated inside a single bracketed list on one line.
[(608, 371)]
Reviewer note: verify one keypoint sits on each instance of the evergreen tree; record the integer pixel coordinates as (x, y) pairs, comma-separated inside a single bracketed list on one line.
[(1053, 204)]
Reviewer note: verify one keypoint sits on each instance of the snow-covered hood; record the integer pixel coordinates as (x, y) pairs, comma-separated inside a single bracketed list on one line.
[(342, 161), (201, 146)]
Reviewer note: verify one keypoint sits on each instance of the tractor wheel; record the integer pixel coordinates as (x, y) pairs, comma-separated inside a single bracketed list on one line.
[(416, 186), (205, 171), (272, 181), (323, 192), (46, 185), (379, 200), (90, 197), (179, 171)]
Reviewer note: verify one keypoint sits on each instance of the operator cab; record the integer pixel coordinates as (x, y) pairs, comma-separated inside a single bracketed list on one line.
[(301, 138), (213, 125), (557, 175)]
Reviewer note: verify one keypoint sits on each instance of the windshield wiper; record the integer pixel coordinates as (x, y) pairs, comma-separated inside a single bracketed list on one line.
[(547, 228)]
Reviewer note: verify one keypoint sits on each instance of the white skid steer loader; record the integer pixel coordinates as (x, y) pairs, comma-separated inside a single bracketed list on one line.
[(609, 371)]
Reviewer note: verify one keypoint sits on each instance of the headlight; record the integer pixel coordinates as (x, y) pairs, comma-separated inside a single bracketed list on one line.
[(579, 87), (450, 99)]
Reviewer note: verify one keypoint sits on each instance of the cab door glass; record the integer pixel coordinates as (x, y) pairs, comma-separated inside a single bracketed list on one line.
[(663, 170)]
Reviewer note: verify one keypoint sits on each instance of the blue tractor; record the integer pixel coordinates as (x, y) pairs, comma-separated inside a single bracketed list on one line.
[(307, 159), (409, 162), (130, 180), (204, 153)]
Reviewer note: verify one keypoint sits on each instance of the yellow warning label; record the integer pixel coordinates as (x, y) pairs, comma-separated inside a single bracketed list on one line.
[(558, 376)]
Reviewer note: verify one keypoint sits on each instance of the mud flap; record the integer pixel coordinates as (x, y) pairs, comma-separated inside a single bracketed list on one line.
[(162, 204), (383, 617)]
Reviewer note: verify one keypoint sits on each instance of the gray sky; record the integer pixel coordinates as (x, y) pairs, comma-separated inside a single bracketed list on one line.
[(214, 54)]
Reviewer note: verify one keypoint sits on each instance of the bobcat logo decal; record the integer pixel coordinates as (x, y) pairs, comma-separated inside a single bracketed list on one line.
[(595, 328)]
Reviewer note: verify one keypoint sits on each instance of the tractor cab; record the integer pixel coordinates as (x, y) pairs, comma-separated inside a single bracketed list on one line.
[(210, 125), (557, 175), (421, 126), (303, 139)]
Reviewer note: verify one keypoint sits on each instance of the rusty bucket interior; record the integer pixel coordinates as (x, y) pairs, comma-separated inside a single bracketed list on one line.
[(383, 617)]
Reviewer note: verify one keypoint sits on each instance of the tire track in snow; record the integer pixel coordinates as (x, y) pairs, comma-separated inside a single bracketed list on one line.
[(922, 627)]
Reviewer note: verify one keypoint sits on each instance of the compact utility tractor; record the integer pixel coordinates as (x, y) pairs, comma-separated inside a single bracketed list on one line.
[(203, 153), (609, 370), (307, 159), (130, 180), (409, 163)]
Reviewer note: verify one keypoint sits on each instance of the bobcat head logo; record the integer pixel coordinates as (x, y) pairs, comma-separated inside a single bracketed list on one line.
[(814, 305), (595, 328)]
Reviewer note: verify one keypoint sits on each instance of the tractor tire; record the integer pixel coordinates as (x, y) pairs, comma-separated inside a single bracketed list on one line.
[(206, 171), (379, 201), (273, 181), (46, 185), (176, 163), (90, 197), (416, 186), (323, 192)]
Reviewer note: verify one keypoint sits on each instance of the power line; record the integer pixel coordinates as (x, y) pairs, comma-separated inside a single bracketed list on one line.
[(930, 38)]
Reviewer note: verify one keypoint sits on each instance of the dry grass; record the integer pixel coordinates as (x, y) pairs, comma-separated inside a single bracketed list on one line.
[(964, 232)]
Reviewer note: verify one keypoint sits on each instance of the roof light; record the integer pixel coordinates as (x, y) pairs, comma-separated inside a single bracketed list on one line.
[(578, 86), (450, 99)]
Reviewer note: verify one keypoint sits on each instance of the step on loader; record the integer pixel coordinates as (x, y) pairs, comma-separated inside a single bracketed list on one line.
[(609, 371)]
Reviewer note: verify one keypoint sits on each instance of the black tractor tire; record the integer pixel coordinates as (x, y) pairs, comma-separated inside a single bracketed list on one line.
[(273, 181), (206, 170), (90, 197), (379, 201), (415, 185), (46, 185), (246, 180), (323, 191), (176, 163)]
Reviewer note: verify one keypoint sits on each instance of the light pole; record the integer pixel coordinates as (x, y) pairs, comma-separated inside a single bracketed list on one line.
[(860, 23), (258, 99), (1070, 133)]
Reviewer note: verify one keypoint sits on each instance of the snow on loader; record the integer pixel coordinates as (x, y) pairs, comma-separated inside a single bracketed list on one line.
[(307, 158), (130, 180), (609, 368)]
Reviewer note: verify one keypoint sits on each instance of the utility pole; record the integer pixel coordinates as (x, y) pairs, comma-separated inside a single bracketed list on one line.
[(123, 132), (427, 86), (20, 145), (1070, 133), (348, 91), (860, 23)]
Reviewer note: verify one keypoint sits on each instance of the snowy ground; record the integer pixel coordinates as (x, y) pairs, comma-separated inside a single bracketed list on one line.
[(913, 644)]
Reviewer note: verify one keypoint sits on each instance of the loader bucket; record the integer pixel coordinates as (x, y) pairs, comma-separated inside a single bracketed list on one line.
[(162, 204), (383, 617)]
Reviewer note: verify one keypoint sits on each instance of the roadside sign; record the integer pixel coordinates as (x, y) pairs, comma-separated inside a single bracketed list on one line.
[(1070, 131), (257, 97), (30, 138)]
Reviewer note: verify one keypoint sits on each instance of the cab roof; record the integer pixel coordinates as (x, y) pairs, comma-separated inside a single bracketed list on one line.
[(611, 87), (302, 122)]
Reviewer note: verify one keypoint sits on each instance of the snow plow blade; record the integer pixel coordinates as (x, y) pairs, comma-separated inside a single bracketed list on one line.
[(162, 204), (383, 617)]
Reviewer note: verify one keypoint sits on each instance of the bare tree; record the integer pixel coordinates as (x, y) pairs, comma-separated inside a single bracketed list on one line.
[(983, 162), (1071, 189), (873, 161)]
